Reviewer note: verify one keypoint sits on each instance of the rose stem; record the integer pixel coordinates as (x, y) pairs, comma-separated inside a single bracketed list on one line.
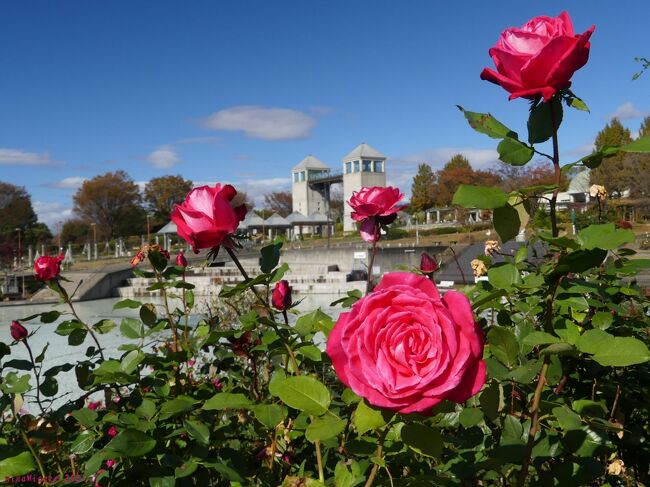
[(319, 461), (234, 258), (31, 449), (541, 381), (373, 251), (379, 453), (37, 373), (462, 274), (292, 356)]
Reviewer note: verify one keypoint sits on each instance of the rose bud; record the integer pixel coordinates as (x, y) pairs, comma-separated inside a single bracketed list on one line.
[(47, 268), (18, 331), (181, 261), (112, 432), (428, 264), (281, 297), (110, 463), (216, 384)]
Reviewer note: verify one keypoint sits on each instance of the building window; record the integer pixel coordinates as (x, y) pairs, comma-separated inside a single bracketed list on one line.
[(296, 177), (367, 165), (379, 166), (348, 167), (302, 175), (356, 166)]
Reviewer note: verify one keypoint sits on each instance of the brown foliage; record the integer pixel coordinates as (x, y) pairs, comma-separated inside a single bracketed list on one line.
[(280, 202)]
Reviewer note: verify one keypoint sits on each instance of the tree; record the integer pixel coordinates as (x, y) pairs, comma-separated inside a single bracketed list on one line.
[(75, 231), (615, 173), (640, 166), (532, 174), (242, 198), (422, 197), (16, 209), (162, 193), (113, 202), (456, 172), (280, 202)]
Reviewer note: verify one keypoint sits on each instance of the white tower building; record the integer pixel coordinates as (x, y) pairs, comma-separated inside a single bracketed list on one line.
[(364, 166), (309, 198)]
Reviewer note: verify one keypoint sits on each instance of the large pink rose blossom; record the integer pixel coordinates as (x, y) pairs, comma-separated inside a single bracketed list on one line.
[(375, 206), (538, 59), (206, 218), (405, 348), (47, 268)]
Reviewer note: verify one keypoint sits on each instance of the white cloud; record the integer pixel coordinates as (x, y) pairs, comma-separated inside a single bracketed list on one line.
[(164, 157), (51, 213), (72, 182), (627, 111), (19, 157), (262, 123)]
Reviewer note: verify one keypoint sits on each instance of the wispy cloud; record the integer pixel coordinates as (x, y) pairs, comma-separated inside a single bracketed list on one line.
[(254, 188), (164, 157), (72, 182), (51, 213), (262, 123), (627, 111), (18, 157)]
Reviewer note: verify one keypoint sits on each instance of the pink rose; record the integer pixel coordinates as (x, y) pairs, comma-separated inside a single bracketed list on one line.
[(281, 297), (428, 264), (206, 219), (375, 206), (539, 58), (112, 432), (18, 331), (405, 348), (94, 405), (181, 261), (47, 268)]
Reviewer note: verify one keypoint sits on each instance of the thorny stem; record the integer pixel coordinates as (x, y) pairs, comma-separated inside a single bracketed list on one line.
[(36, 457), (379, 453), (462, 274), (373, 252), (615, 404), (37, 373), (557, 172), (292, 356), (170, 318), (244, 274)]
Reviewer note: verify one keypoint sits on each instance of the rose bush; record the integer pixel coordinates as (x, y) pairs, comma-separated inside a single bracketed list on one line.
[(538, 59), (47, 268), (405, 348), (206, 219)]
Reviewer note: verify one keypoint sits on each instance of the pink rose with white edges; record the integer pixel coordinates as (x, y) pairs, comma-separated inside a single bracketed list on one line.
[(405, 348)]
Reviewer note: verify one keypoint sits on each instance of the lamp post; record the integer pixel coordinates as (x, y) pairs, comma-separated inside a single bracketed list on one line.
[(20, 261), (148, 228), (94, 226)]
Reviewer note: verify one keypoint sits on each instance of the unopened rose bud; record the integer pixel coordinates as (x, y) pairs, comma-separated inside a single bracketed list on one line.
[(281, 297), (428, 264), (491, 247), (478, 267), (18, 331), (110, 463), (181, 261), (216, 384), (112, 432)]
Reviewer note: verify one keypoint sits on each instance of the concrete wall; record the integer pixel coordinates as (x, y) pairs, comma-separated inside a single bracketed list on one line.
[(307, 200), (387, 259)]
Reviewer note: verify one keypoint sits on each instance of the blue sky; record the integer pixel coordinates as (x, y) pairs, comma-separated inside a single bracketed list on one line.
[(240, 92)]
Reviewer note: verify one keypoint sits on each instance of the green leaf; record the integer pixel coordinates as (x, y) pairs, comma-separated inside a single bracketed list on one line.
[(367, 418), (227, 400), (131, 443), (132, 328), (13, 384), (642, 145), (49, 387), (176, 406), (469, 196), (503, 345), (512, 431), (311, 352), (270, 415), (487, 124), (77, 337), (506, 222), (325, 427), (14, 464), (540, 122), (422, 439), (575, 102), (491, 400), (270, 256), (314, 322), (470, 417), (84, 442), (539, 338), (86, 417), (602, 320), (148, 314), (514, 152), (127, 303), (50, 316), (609, 350), (504, 275), (67, 327), (605, 236), (349, 397), (104, 326), (131, 361), (567, 418), (197, 431), (162, 481), (305, 394)]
